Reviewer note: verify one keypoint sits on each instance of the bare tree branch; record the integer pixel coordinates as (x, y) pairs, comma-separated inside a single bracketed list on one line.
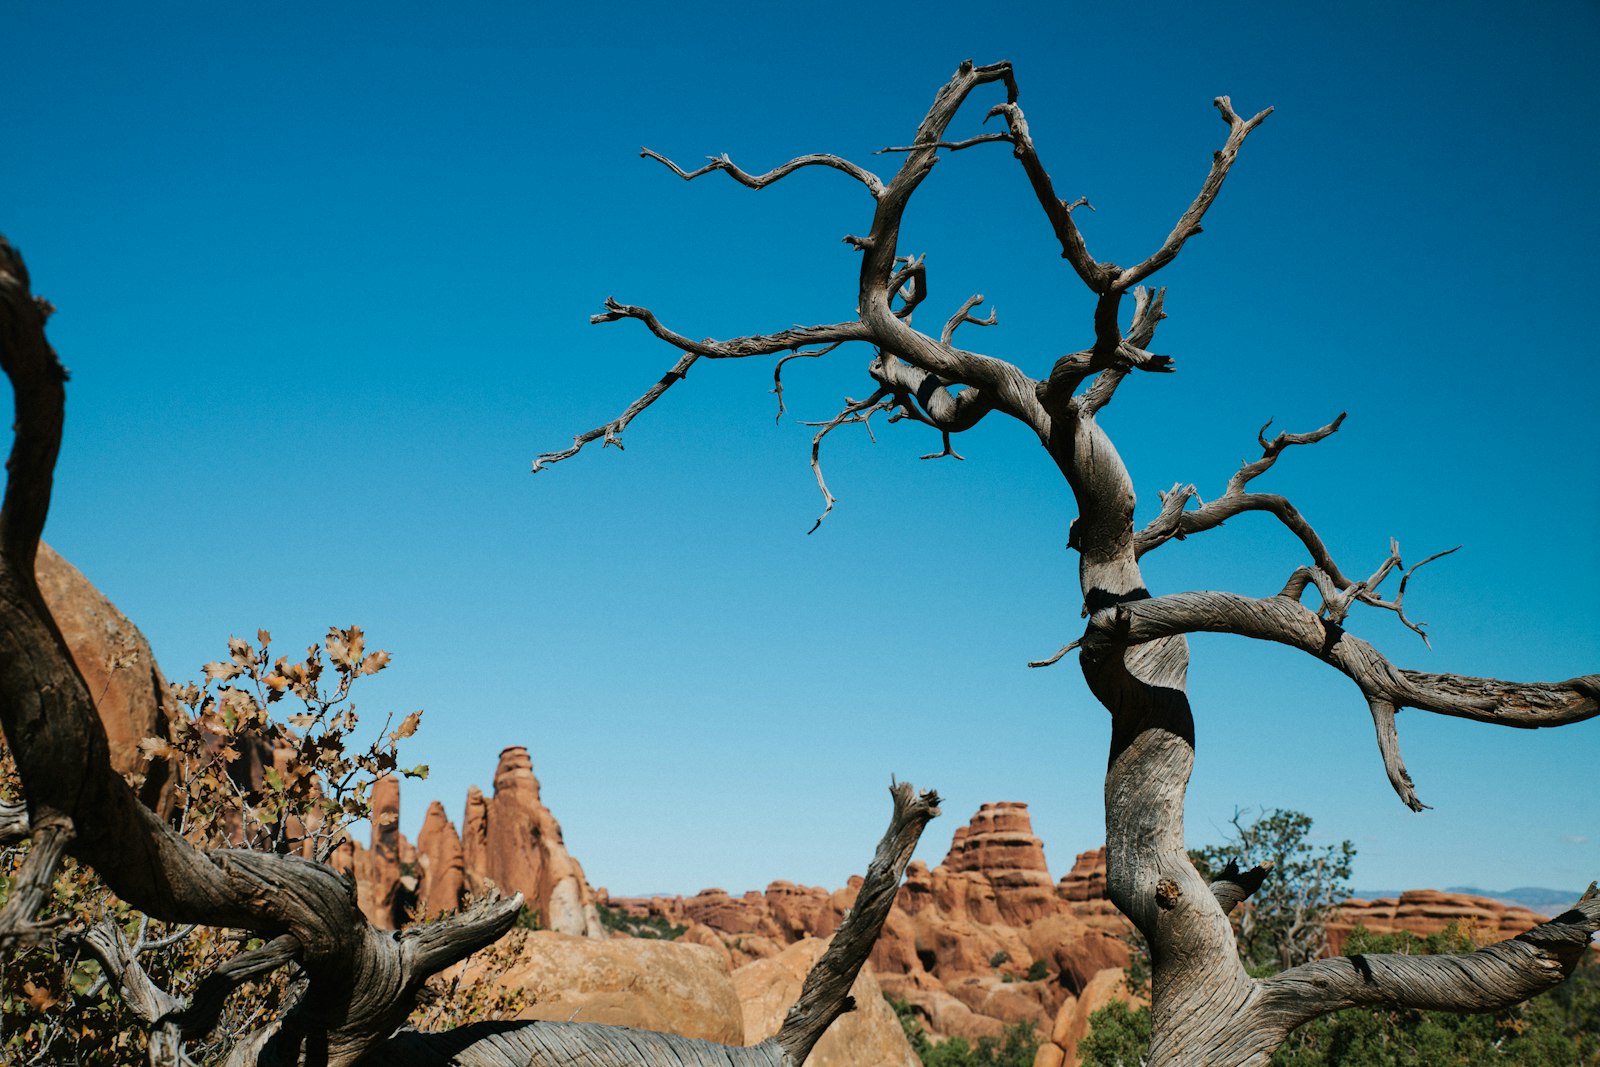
[(1098, 277), (1189, 223), (954, 146), (1285, 620), (826, 993), (31, 887), (737, 348), (965, 315), (1108, 278), (149, 1003), (854, 411), (758, 181), (777, 372), (1111, 356), (939, 407), (1176, 523), (1233, 887), (943, 452), (1052, 660), (1489, 979), (611, 432), (886, 276)]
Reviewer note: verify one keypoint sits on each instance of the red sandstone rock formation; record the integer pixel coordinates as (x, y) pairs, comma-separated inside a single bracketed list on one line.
[(962, 938), (1429, 911), (512, 840), (509, 841), (1072, 1021), (441, 868)]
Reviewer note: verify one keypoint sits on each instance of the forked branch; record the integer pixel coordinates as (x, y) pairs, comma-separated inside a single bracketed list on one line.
[(1174, 522), (1108, 278)]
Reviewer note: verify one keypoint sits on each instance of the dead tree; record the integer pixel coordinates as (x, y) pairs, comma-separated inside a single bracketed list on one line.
[(1133, 652), (355, 985)]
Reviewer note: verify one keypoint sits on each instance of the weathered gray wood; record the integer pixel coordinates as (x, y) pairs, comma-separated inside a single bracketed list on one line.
[(1207, 1010), (556, 1044)]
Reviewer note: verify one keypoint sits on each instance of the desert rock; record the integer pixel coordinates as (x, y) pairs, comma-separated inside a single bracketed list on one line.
[(666, 986), (115, 660), (870, 1036)]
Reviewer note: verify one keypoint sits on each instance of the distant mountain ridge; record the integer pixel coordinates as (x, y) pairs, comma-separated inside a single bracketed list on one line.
[(1537, 898)]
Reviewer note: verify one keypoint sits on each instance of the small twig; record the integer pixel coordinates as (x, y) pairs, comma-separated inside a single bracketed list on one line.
[(854, 411), (757, 181), (777, 372), (948, 451), (965, 315), (954, 146), (1418, 628), (1057, 657)]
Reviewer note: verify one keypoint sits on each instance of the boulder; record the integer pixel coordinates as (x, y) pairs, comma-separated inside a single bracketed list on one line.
[(666, 986), (124, 680), (870, 1036)]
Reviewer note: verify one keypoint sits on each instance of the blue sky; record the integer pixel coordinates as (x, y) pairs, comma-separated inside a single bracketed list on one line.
[(324, 278)]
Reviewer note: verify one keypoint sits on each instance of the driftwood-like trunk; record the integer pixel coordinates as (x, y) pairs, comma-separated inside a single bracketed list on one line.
[(356, 984), (1207, 1010)]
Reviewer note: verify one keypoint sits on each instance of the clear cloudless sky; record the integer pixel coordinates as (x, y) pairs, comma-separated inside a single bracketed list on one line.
[(324, 275)]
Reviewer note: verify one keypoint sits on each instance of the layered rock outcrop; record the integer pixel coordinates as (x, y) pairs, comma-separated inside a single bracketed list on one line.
[(1430, 911)]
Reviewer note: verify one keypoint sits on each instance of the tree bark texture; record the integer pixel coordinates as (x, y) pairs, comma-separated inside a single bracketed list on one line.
[(1208, 1012)]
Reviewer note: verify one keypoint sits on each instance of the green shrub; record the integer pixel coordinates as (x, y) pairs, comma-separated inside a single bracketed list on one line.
[(650, 927)]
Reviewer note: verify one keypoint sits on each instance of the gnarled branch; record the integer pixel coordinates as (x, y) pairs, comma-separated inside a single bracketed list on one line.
[(758, 181), (1174, 522), (1490, 979), (1283, 619), (1189, 222), (1233, 887), (826, 993)]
